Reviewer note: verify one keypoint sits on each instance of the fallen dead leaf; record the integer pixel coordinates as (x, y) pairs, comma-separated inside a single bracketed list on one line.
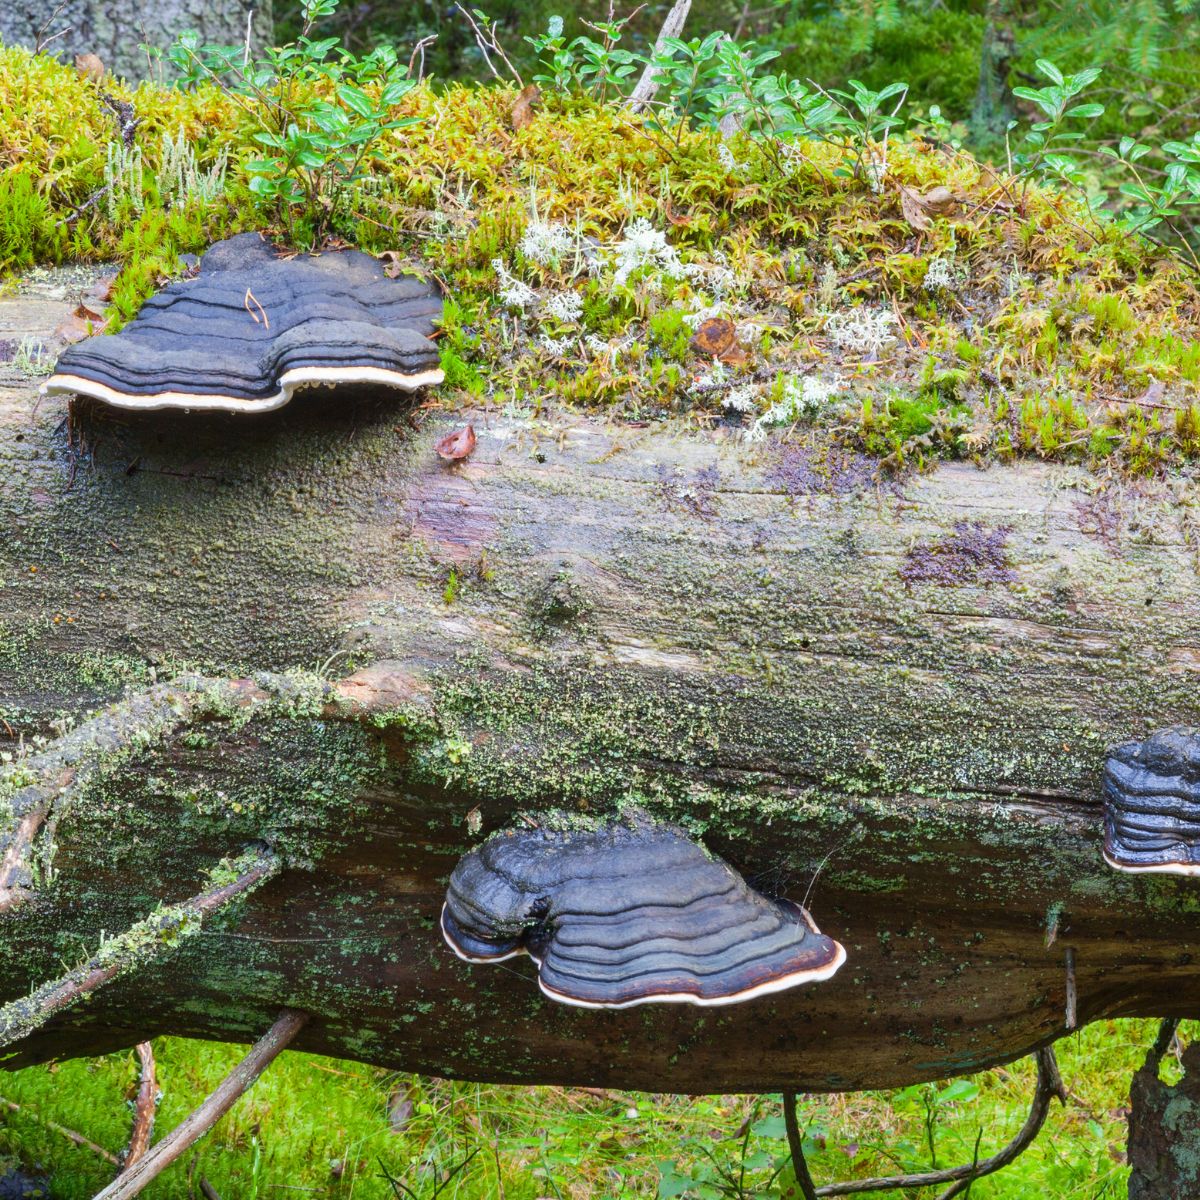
[(457, 445), (522, 112), (674, 217), (101, 292), (395, 263), (920, 209), (90, 67), (713, 337), (83, 322)]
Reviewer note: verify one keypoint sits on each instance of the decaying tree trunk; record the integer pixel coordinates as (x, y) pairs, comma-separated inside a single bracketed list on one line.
[(115, 32), (893, 700)]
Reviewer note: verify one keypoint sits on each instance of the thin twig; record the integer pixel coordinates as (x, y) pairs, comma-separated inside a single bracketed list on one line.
[(1049, 1084), (55, 1127), (1072, 1003), (40, 40), (219, 1102), (143, 1111), (492, 42)]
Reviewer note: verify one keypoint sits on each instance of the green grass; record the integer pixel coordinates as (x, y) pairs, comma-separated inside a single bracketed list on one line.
[(317, 1127)]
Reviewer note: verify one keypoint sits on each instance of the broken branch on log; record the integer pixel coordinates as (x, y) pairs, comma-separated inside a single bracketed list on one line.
[(201, 1120), (154, 938), (148, 718)]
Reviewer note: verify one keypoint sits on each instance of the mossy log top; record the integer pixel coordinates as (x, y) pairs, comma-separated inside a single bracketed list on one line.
[(894, 700)]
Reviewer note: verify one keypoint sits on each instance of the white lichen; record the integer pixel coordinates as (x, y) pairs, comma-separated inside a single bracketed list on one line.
[(546, 242), (801, 400), (566, 306), (123, 178), (862, 330), (741, 399), (939, 275), (643, 246), (182, 181), (513, 292)]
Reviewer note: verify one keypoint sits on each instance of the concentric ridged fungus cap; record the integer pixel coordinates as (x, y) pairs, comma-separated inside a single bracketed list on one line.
[(629, 914), (251, 328), (1152, 804)]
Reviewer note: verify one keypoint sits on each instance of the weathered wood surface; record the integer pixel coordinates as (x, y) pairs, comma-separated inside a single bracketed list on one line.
[(595, 614)]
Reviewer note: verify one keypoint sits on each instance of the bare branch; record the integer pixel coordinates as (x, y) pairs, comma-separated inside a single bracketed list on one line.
[(150, 940), (143, 1111), (672, 27), (69, 764), (201, 1120), (1049, 1084)]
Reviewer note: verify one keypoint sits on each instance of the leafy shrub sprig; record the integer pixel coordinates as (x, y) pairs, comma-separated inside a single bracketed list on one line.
[(317, 117)]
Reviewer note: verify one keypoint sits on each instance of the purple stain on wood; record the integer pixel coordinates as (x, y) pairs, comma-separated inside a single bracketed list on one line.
[(972, 554), (800, 471)]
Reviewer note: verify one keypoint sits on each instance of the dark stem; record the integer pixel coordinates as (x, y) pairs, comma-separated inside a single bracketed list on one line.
[(796, 1148), (76, 1138), (1049, 1084)]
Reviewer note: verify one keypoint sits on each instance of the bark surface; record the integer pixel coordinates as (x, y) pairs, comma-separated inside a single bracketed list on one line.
[(892, 703), (116, 32)]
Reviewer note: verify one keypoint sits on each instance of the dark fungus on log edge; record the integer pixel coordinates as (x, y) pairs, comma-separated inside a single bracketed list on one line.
[(251, 328), (629, 913), (1152, 804)]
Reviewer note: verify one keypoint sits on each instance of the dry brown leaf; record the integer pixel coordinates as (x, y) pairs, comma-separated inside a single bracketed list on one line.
[(919, 209), (81, 323), (90, 67), (713, 337), (939, 201), (457, 445), (674, 217), (913, 210), (522, 112), (395, 263)]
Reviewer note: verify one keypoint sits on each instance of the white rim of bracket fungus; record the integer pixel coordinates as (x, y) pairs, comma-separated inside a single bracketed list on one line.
[(1167, 868), (815, 975), (782, 983), (472, 958), (289, 383)]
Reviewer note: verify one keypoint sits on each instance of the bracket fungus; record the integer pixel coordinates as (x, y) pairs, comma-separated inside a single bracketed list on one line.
[(629, 913), (1152, 803), (251, 328)]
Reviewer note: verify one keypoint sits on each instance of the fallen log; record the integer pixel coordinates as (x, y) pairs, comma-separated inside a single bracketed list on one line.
[(887, 701)]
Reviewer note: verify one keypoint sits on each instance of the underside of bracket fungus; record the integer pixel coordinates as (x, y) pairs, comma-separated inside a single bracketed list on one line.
[(1152, 804), (629, 913), (251, 328)]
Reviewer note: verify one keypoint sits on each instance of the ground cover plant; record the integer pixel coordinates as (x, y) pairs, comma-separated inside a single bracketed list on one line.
[(315, 1126), (864, 281)]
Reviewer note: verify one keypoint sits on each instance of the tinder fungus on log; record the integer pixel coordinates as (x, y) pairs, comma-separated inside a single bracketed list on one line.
[(251, 328), (1152, 804), (629, 913)]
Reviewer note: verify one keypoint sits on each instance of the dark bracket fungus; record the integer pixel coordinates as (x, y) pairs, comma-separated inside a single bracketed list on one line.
[(630, 913), (1152, 804), (251, 328)]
